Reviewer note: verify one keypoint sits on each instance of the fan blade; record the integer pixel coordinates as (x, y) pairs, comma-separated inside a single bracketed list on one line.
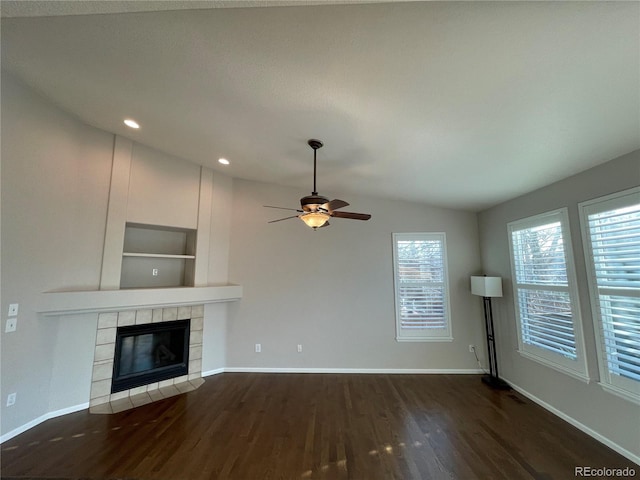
[(354, 216), (281, 219), (334, 205), (283, 208)]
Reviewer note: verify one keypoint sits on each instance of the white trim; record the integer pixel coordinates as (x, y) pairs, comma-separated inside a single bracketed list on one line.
[(606, 200), (424, 339), (580, 426), (586, 208), (69, 303), (389, 371), (42, 418), (116, 213), (557, 367), (215, 371), (157, 255), (444, 334), (620, 392), (203, 232), (541, 355)]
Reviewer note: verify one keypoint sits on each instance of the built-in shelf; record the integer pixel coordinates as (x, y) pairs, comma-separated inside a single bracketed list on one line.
[(68, 303), (157, 255)]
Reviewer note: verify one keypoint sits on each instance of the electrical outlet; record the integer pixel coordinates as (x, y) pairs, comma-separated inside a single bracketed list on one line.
[(12, 324), (11, 399), (154, 272), (258, 348), (299, 348), (13, 309), (472, 348)]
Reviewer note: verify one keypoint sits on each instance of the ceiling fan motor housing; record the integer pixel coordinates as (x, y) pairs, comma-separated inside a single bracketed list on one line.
[(310, 203)]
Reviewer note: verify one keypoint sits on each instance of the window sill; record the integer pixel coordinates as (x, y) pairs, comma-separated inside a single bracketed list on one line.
[(619, 392), (560, 368), (424, 339)]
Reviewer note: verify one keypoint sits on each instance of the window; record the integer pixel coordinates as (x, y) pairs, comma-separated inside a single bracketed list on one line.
[(611, 233), (421, 287), (546, 300)]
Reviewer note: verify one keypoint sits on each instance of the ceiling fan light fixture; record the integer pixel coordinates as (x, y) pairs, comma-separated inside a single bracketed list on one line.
[(314, 219)]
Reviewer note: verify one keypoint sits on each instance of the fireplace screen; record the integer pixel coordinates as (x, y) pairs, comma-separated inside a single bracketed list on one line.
[(150, 353)]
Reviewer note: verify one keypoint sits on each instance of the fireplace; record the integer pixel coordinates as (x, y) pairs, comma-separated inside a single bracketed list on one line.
[(141, 324), (150, 353)]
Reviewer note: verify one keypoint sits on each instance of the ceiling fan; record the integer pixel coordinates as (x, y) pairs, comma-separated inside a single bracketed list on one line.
[(317, 209)]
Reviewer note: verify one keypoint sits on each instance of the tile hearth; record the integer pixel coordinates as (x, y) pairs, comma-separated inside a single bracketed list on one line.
[(101, 398), (152, 395)]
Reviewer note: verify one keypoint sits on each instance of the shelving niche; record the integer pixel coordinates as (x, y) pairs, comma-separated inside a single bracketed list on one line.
[(168, 250)]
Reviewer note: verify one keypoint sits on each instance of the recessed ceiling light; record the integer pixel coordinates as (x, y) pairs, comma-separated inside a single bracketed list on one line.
[(223, 161), (131, 123)]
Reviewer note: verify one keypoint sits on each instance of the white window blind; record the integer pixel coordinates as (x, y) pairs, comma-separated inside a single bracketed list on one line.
[(545, 313), (422, 307), (612, 230), (545, 295)]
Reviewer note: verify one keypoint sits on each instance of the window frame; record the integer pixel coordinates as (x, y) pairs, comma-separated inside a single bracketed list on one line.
[(623, 387), (576, 368), (420, 335)]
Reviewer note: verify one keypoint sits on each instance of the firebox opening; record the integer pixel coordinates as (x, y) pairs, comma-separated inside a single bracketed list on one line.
[(150, 353)]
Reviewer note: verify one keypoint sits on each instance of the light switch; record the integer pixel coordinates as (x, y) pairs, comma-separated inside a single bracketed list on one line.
[(13, 309)]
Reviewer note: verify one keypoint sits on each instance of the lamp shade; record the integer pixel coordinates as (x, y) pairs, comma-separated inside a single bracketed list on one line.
[(486, 286)]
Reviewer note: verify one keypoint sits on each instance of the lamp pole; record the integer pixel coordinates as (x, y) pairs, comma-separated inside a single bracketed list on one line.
[(493, 379), (488, 287)]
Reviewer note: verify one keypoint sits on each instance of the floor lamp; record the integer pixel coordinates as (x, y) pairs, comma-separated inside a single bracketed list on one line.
[(487, 287)]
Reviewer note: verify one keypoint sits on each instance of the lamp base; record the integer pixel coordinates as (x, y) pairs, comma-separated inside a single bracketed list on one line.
[(495, 382)]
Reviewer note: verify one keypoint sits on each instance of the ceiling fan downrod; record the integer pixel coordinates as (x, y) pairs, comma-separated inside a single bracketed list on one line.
[(315, 144)]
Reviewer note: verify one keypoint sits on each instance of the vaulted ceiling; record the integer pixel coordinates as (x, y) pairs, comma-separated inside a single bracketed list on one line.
[(458, 104)]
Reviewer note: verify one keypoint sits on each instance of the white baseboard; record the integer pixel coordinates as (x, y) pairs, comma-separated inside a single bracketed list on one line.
[(580, 426), (56, 413), (354, 370), (213, 372)]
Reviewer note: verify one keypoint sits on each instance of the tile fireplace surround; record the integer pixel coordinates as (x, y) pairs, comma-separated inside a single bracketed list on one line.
[(101, 397)]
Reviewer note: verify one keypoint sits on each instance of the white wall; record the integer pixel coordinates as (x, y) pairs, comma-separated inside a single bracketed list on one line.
[(163, 189), (215, 315), (55, 183), (331, 290), (607, 415)]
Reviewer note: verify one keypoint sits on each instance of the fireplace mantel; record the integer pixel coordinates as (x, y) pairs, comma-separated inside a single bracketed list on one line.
[(67, 303)]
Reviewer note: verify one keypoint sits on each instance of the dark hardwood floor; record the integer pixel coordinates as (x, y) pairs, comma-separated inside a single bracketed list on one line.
[(306, 426)]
